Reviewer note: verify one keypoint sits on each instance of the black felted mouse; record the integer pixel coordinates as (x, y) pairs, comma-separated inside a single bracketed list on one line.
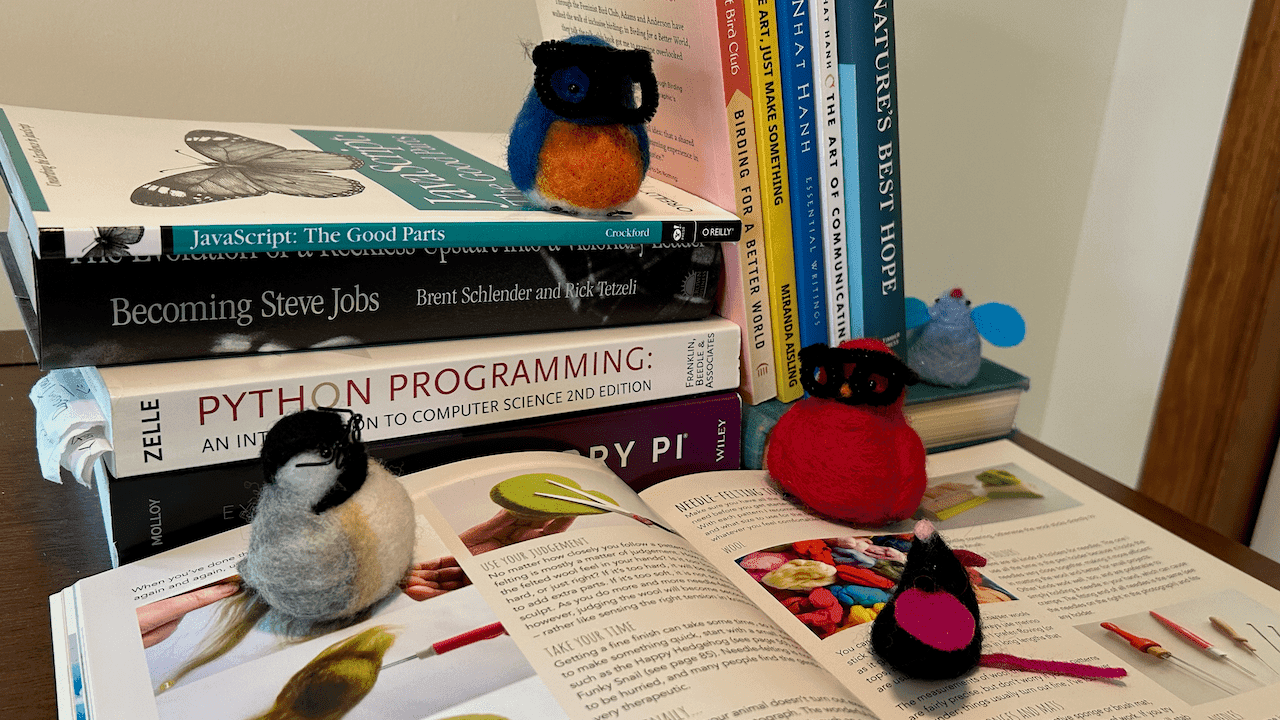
[(930, 629)]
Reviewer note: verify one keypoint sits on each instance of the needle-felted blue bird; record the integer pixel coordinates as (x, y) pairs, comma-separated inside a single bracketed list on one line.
[(579, 144), (946, 338), (333, 530)]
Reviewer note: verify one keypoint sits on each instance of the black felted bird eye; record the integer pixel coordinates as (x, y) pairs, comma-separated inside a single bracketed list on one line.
[(327, 455), (570, 84), (336, 452)]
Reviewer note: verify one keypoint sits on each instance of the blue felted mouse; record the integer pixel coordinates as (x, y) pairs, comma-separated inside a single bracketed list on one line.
[(579, 144), (945, 339)]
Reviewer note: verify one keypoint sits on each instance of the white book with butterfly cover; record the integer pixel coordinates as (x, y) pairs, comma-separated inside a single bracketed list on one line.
[(100, 185)]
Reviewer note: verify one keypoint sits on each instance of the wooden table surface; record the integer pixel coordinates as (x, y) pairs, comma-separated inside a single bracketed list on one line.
[(52, 535)]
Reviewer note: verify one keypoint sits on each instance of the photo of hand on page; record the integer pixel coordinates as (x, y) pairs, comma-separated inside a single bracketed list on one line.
[(433, 578), (833, 584), (506, 528), (220, 617), (158, 620), (375, 669)]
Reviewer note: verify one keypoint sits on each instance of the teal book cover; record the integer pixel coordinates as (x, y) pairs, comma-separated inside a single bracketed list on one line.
[(94, 186), (869, 118), (992, 377)]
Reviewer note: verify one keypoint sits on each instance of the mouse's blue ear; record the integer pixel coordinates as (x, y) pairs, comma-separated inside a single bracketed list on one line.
[(917, 312), (999, 324)]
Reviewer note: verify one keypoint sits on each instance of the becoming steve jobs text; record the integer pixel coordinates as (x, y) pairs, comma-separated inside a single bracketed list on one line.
[(271, 304)]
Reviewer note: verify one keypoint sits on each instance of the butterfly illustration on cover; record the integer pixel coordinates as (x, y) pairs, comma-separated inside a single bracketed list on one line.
[(113, 242), (242, 167)]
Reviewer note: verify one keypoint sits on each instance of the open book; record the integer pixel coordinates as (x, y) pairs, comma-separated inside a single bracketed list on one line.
[(699, 598)]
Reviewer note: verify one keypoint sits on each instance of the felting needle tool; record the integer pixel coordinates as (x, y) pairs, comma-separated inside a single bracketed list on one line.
[(487, 632), (1200, 642), (1151, 647), (1264, 637), (1243, 641)]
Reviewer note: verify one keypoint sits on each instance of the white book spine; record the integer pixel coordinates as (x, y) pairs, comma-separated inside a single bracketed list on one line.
[(169, 416), (822, 23)]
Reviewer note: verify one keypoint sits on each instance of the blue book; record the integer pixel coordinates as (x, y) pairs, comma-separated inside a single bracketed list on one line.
[(873, 202), (800, 112)]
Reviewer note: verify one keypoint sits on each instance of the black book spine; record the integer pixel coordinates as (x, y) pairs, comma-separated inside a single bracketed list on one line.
[(113, 310)]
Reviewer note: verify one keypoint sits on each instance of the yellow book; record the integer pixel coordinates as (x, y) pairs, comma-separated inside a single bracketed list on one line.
[(766, 94)]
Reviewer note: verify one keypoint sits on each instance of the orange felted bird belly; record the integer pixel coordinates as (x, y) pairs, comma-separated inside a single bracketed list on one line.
[(596, 167)]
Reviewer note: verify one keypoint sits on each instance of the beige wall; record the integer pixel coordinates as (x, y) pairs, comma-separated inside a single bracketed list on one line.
[(1054, 154), (1002, 103), (1055, 157)]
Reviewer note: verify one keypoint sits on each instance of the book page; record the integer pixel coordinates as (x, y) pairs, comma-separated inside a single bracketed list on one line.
[(1062, 560), (583, 615), (617, 614)]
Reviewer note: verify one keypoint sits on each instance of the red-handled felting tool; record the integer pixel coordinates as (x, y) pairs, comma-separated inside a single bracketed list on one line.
[(487, 632), (1153, 648), (1199, 642)]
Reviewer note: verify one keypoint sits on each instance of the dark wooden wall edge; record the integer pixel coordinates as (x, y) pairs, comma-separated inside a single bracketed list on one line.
[(1214, 431)]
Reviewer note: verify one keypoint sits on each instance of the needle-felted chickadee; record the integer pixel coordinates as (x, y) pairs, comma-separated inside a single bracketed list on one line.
[(333, 530)]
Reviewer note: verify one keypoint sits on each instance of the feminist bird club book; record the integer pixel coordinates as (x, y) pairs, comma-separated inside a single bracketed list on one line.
[(88, 185)]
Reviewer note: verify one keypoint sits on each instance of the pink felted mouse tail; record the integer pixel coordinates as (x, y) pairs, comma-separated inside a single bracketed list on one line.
[(1012, 662)]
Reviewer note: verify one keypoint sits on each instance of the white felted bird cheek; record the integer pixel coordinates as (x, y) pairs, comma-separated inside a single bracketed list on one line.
[(306, 478)]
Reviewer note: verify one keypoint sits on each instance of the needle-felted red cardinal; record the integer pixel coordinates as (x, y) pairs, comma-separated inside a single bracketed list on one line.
[(847, 450)]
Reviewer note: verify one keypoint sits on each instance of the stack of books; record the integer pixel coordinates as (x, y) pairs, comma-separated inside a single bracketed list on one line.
[(785, 112), (290, 267), (399, 274), (181, 313)]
